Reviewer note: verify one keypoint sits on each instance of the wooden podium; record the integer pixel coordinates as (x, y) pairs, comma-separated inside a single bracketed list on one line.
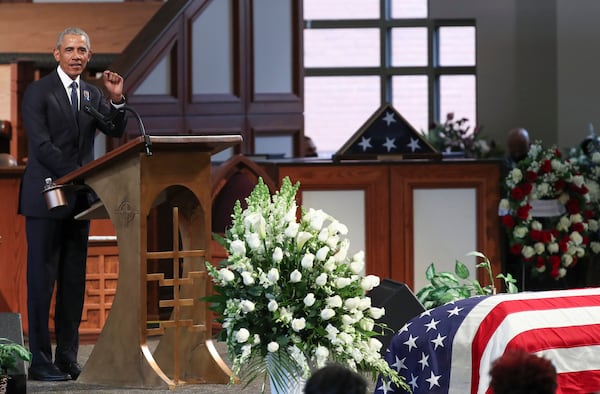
[(129, 183)]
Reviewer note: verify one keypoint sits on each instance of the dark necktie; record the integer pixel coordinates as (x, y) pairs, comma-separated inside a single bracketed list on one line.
[(74, 98)]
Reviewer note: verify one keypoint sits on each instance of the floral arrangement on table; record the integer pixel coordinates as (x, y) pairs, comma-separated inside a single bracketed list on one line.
[(288, 297), (548, 245), (457, 136)]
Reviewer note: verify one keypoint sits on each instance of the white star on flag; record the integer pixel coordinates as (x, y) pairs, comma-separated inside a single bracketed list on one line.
[(365, 143), (390, 143), (433, 380), (389, 118), (414, 144), (411, 342)]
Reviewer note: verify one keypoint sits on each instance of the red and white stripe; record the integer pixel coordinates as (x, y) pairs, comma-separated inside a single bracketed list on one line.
[(562, 325)]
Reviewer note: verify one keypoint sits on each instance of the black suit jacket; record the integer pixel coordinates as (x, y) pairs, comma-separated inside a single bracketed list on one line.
[(58, 143)]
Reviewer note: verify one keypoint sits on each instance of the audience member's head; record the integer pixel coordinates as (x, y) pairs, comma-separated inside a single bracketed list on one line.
[(518, 143), (335, 379), (310, 149), (520, 372)]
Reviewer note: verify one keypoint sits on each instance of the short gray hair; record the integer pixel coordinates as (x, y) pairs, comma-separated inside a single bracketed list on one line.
[(73, 31)]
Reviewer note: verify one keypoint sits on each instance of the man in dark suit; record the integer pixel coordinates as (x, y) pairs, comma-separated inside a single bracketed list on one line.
[(61, 139)]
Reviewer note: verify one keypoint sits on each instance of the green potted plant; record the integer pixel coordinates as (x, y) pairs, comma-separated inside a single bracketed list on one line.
[(10, 351), (445, 287)]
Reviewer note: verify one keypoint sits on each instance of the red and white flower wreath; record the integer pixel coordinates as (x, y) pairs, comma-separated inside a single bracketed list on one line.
[(550, 244)]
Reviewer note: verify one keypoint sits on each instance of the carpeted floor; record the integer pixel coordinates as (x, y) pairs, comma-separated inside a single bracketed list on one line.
[(72, 387)]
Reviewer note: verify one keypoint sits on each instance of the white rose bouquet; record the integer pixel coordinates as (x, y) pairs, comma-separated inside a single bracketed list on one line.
[(288, 297)]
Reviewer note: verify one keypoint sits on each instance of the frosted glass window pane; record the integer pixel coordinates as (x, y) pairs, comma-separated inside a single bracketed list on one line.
[(158, 81), (274, 144), (457, 94), (455, 206), (409, 46), (457, 46), (272, 46), (212, 69), (410, 99), (336, 107), (341, 48), (405, 9), (341, 9)]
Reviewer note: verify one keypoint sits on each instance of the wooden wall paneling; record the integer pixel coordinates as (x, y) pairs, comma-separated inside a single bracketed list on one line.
[(22, 73), (13, 246), (404, 179), (374, 181)]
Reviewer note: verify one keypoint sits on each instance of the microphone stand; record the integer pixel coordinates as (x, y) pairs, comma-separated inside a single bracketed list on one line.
[(107, 121), (147, 141)]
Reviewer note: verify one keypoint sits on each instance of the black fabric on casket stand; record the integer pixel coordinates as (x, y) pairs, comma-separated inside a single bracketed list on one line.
[(400, 305)]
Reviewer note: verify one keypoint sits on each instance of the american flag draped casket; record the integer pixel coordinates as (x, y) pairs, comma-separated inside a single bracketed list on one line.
[(450, 349)]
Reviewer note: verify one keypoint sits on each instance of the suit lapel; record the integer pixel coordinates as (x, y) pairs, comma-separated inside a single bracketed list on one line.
[(65, 105)]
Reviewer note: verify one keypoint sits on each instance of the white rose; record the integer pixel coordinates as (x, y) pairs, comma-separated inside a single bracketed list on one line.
[(595, 247), (247, 306), (504, 204), (553, 247), (334, 301), (365, 303), (327, 313), (226, 275), (562, 272), (298, 324), (292, 230), (295, 276), (369, 282), (376, 313), (367, 324), (237, 248), (520, 231), (340, 283), (247, 277), (317, 217), (351, 303), (357, 267), (273, 275), (242, 335), (359, 256), (273, 347), (323, 235), (277, 255), (536, 225), (566, 259), (337, 227), (348, 320), (321, 280), (375, 345), (516, 175), (310, 299), (578, 180), (322, 253), (527, 252), (576, 238), (539, 247), (307, 261), (576, 218), (253, 240), (593, 223), (321, 353), (543, 189), (272, 306)]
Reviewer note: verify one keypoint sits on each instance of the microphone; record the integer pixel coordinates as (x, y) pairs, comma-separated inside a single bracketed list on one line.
[(106, 122)]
